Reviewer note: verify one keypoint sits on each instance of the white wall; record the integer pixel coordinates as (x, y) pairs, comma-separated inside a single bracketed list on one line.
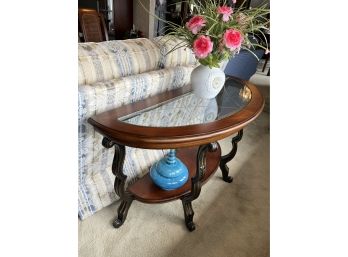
[(141, 18)]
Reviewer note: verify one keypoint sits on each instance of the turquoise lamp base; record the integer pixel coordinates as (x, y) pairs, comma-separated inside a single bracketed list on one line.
[(169, 173)]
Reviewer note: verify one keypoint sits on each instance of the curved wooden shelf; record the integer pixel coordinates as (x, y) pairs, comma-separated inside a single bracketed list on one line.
[(144, 190)]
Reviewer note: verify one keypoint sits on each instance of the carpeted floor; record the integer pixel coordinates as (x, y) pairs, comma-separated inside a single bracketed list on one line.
[(232, 220)]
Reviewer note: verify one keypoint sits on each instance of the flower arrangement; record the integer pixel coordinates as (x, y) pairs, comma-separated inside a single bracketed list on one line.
[(217, 32)]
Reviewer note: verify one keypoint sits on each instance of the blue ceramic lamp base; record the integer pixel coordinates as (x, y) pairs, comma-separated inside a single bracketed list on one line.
[(169, 173)]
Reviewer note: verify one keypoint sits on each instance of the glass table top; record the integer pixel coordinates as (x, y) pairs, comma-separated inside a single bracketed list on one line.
[(189, 109)]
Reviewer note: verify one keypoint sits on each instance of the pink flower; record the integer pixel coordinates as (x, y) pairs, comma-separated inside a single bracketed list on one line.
[(226, 12), (233, 39), (195, 24), (202, 46), (234, 1)]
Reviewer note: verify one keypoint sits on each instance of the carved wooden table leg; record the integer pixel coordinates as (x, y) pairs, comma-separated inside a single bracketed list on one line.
[(188, 212), (122, 210), (228, 157), (120, 179), (196, 184)]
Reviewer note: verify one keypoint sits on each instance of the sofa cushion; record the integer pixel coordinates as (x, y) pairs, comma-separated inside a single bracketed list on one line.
[(180, 56), (94, 63), (114, 59)]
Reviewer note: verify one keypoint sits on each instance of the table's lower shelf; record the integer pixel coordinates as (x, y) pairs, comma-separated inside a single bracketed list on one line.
[(144, 190)]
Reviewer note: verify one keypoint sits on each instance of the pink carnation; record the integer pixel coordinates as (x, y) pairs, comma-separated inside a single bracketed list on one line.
[(226, 12), (195, 24), (202, 46), (233, 39)]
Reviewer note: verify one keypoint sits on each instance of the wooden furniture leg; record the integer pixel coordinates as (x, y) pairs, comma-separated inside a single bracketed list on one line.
[(122, 210), (188, 212), (228, 157), (120, 179), (265, 64), (196, 184)]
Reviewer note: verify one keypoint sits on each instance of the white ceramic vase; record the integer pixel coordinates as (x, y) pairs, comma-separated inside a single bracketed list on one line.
[(207, 82)]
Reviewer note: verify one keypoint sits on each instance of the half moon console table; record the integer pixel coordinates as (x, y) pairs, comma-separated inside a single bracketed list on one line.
[(179, 120)]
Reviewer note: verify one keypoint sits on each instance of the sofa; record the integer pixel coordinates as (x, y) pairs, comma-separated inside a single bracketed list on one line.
[(111, 74)]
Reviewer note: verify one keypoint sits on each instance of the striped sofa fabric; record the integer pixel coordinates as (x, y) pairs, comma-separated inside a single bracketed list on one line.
[(111, 74)]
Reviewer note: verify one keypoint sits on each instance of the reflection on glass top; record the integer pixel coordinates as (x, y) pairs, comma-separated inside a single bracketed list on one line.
[(189, 109)]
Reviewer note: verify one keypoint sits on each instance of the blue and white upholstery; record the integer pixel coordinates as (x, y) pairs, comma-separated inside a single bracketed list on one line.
[(111, 74)]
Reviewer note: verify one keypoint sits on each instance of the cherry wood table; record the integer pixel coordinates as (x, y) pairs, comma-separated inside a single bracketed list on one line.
[(179, 120)]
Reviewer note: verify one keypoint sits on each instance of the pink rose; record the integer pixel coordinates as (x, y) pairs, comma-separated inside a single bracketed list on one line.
[(195, 24), (226, 12), (233, 39), (202, 46)]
